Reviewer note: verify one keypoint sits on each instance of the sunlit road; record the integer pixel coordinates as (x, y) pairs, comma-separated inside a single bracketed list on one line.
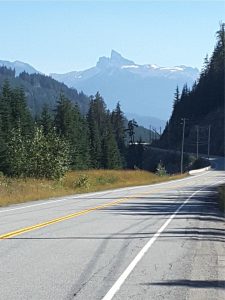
[(164, 241)]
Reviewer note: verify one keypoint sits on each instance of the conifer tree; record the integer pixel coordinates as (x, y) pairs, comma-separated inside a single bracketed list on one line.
[(46, 120), (5, 110), (64, 117), (110, 153), (96, 118), (73, 127), (20, 115), (176, 97), (118, 124), (3, 152), (130, 129)]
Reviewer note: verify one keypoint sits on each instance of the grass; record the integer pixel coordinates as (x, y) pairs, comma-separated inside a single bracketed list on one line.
[(22, 190), (221, 190)]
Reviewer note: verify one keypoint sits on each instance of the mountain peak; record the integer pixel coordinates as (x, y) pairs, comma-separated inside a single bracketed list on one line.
[(115, 60), (115, 55)]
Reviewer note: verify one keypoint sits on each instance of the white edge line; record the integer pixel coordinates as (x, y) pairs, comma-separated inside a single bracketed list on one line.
[(117, 285), (97, 193)]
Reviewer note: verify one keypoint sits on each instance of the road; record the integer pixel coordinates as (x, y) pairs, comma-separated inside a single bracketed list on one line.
[(163, 241)]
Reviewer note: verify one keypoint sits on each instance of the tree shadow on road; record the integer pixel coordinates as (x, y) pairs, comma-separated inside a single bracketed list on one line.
[(203, 206), (202, 284)]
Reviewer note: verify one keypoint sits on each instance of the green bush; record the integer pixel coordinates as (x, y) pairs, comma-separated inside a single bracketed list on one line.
[(161, 170), (82, 181), (38, 156)]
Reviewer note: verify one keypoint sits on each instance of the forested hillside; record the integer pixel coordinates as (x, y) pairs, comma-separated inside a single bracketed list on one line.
[(202, 107), (40, 89), (55, 141)]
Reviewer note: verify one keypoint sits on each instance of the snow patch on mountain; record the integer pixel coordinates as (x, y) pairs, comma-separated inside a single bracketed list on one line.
[(143, 89)]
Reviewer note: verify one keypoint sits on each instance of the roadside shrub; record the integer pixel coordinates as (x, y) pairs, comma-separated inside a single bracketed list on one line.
[(38, 156), (161, 170), (82, 181)]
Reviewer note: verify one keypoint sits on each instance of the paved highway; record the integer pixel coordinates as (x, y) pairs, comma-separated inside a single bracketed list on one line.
[(163, 241)]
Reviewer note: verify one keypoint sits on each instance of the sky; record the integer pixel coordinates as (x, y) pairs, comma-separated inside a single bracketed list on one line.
[(61, 36)]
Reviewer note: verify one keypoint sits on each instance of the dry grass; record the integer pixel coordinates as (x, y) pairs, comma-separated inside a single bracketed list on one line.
[(22, 190)]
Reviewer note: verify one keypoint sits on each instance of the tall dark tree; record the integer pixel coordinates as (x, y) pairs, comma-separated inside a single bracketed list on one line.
[(5, 110), (130, 130), (176, 97), (96, 118), (46, 119), (73, 127), (111, 158), (20, 115), (118, 124)]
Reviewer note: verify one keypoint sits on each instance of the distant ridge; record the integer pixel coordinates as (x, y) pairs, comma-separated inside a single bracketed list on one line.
[(40, 89), (143, 89), (19, 67)]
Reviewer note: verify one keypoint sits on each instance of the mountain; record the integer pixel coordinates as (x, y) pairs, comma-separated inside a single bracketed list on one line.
[(202, 107), (141, 89), (18, 66), (40, 89)]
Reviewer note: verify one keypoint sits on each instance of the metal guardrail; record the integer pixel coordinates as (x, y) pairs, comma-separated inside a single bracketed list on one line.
[(193, 172)]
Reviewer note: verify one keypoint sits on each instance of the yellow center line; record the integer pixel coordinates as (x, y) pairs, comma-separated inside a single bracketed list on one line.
[(67, 217), (64, 218), (57, 220)]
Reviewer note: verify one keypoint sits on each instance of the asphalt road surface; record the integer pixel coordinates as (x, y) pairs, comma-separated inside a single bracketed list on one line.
[(163, 241)]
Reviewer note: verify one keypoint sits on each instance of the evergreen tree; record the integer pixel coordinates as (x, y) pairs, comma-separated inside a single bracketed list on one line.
[(110, 153), (73, 127), (176, 97), (64, 117), (79, 141), (3, 151), (20, 115), (46, 120), (5, 110), (130, 129), (96, 118), (118, 123)]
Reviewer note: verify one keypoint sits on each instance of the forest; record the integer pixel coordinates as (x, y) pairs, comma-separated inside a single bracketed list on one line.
[(202, 107), (47, 145)]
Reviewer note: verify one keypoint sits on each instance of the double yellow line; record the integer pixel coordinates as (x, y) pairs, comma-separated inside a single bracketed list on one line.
[(70, 216), (57, 220)]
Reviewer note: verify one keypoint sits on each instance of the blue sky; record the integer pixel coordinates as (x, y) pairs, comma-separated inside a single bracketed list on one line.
[(61, 36)]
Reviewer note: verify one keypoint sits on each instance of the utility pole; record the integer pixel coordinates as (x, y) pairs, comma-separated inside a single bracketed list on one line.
[(209, 140), (150, 134), (155, 133), (182, 147), (197, 129)]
